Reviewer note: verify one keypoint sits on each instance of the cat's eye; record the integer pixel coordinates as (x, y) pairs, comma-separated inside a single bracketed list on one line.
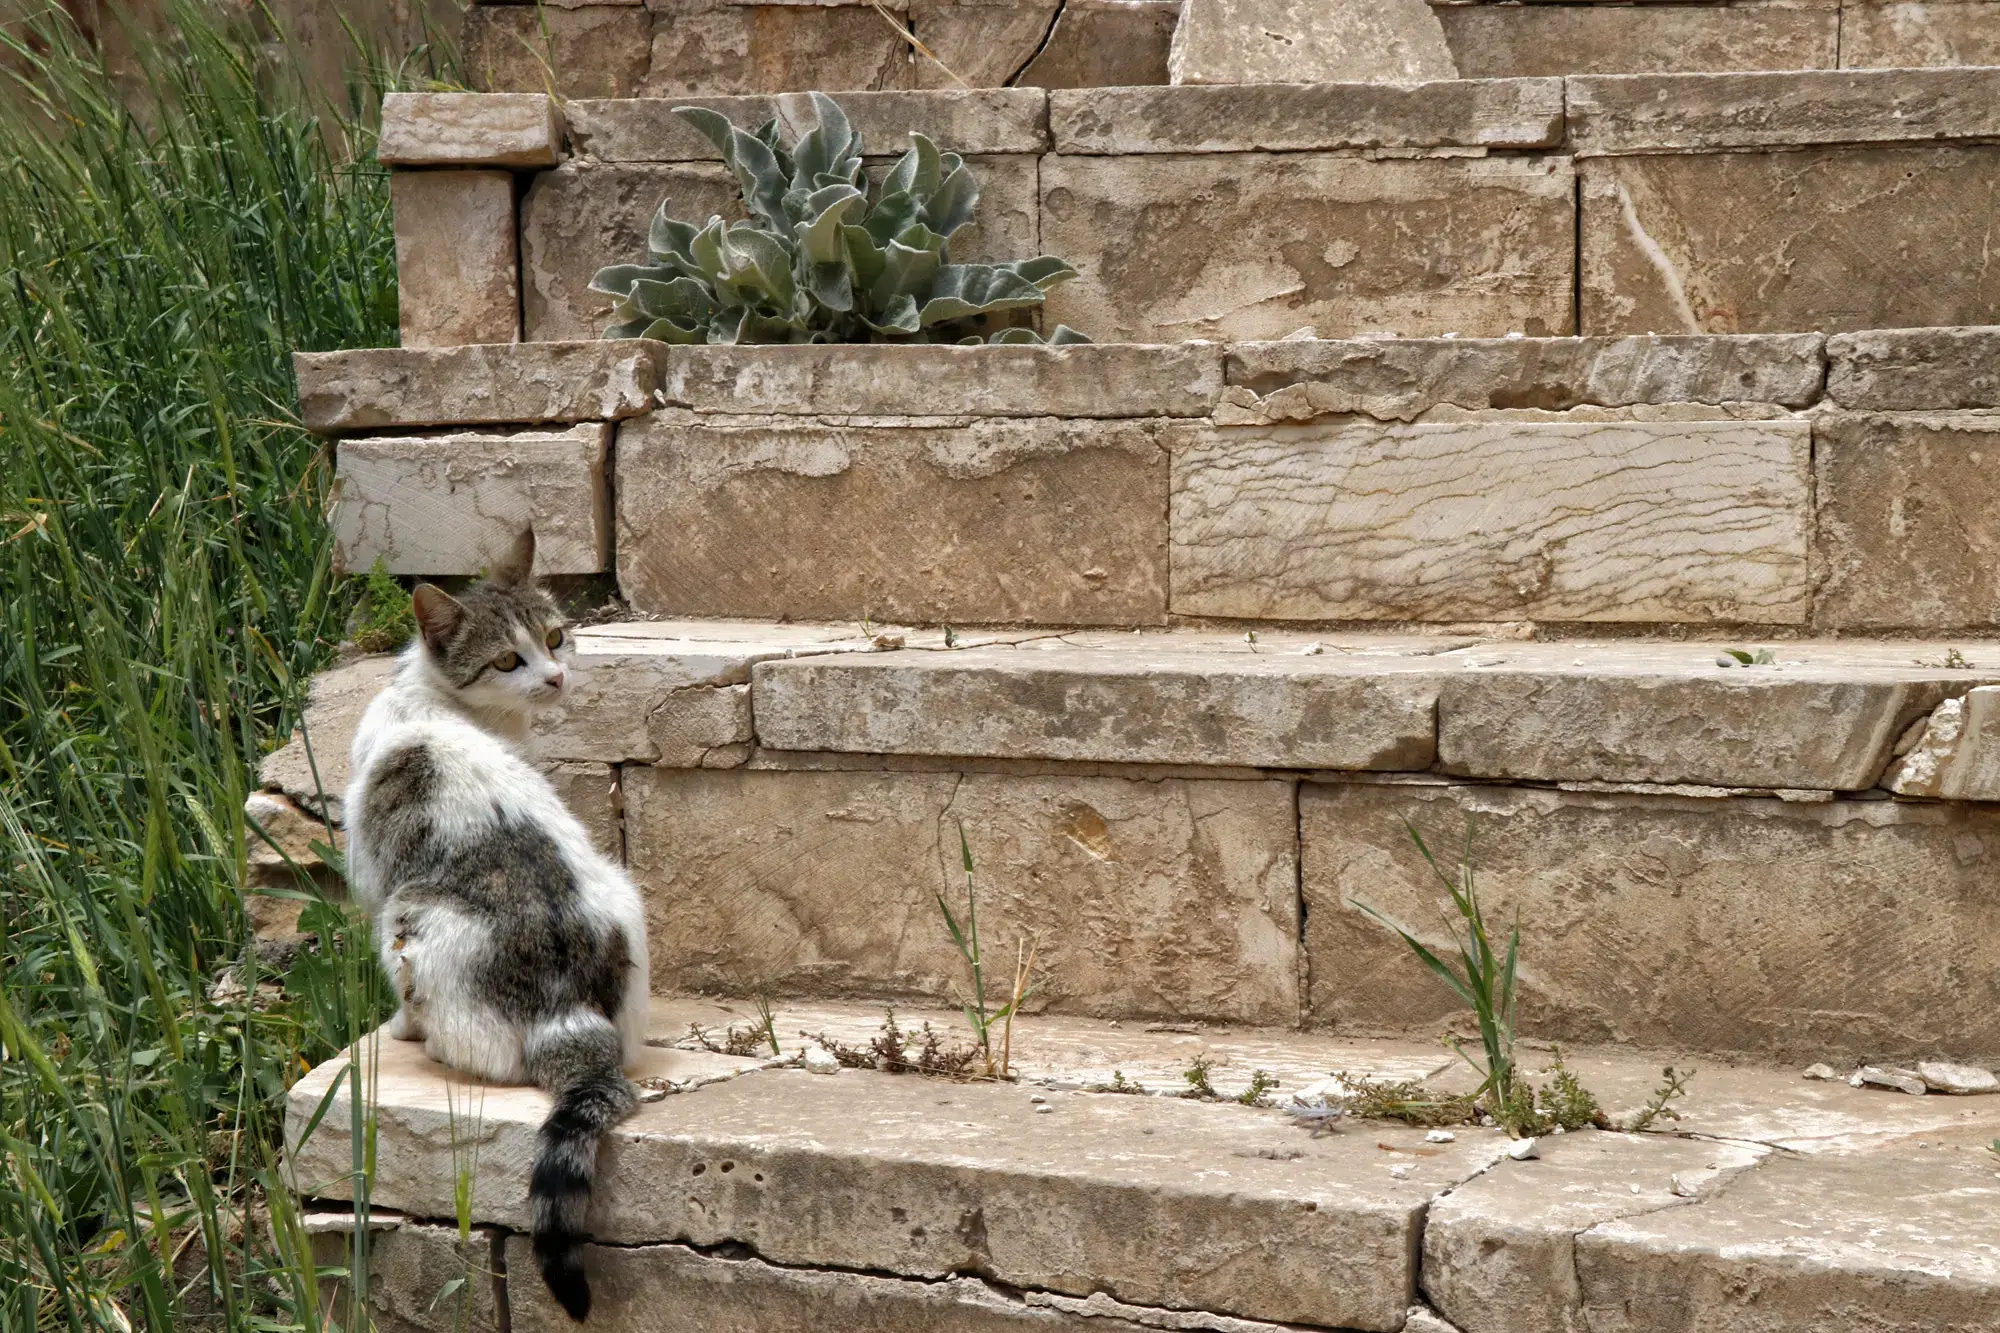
[(555, 637), (507, 662)]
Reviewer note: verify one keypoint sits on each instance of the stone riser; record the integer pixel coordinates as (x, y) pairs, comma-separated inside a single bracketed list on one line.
[(679, 47)]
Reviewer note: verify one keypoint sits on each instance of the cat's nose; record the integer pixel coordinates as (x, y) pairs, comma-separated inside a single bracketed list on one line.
[(555, 679)]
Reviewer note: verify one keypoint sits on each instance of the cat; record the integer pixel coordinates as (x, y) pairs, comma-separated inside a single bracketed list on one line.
[(516, 950)]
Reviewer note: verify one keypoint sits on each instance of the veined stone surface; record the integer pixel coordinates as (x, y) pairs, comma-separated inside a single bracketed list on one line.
[(470, 130), (1308, 41), (1670, 922), (1174, 897), (311, 767), (1866, 238), (450, 504), (705, 48), (1106, 44), (993, 522), (343, 392), (977, 121), (1491, 41), (1254, 245), (980, 43), (591, 793), (1493, 520), (457, 265), (1915, 369), (598, 50), (1958, 756), (1926, 32)]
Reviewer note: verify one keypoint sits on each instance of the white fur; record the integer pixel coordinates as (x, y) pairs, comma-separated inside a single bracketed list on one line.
[(478, 737)]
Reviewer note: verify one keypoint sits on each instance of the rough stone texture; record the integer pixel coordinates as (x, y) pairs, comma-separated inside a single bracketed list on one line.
[(702, 727), (278, 835), (591, 793), (1915, 369), (342, 392), (1901, 1244), (470, 130), (1485, 519), (1106, 44), (422, 1278), (1173, 897), (706, 48), (311, 767), (457, 265), (978, 121), (1513, 113), (1909, 528), (1779, 109), (613, 709), (1958, 756), (1308, 41), (451, 504), (1500, 1251), (1399, 379), (598, 51), (978, 43), (993, 522), (1801, 726), (1085, 380), (1819, 238), (1506, 41), (1808, 931), (1931, 32), (1137, 706), (1215, 246)]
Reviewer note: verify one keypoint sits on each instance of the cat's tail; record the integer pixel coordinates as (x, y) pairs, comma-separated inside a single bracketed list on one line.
[(578, 1058)]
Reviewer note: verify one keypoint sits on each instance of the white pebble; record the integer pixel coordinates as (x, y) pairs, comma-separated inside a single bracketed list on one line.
[(1522, 1150), (820, 1060), (1440, 1136), (1038, 1099), (1044, 1109), (1402, 1171)]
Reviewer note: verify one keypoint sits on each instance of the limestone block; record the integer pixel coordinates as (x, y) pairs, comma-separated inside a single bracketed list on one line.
[(311, 767), (457, 267), (1673, 112), (470, 130), (1930, 32), (422, 1278), (1243, 246), (1895, 1244), (278, 836), (1914, 369), (601, 50), (996, 521), (1958, 756), (591, 793), (702, 726), (1818, 238), (1484, 519), (977, 121), (1082, 380), (1500, 1252), (1784, 726), (1173, 897), (1669, 922), (978, 43), (1400, 379), (1469, 113), (1507, 41), (1115, 707), (1908, 524), (341, 392), (1308, 41), (450, 504), (1106, 44), (625, 702), (708, 49)]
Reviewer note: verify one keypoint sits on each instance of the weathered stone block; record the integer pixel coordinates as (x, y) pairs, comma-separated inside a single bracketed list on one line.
[(1507, 41), (628, 699), (1909, 521), (311, 767), (1171, 897), (1914, 369), (705, 48), (702, 726), (1794, 725), (1081, 380), (1471, 113), (1308, 41), (598, 51), (1106, 44), (450, 504), (1861, 238), (1161, 706), (997, 521), (422, 1277), (1253, 245), (978, 43), (978, 121), (1400, 379), (591, 793), (470, 130), (1958, 756), (1930, 32), (341, 392), (1670, 922), (457, 266), (1493, 519)]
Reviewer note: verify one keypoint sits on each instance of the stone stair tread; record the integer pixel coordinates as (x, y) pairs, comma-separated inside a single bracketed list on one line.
[(1873, 1203)]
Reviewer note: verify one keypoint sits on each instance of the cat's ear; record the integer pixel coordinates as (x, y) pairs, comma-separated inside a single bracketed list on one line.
[(514, 567), (438, 615)]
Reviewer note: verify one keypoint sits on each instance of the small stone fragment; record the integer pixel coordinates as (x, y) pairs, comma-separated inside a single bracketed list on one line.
[(1899, 1080), (1440, 1136), (1523, 1150), (1959, 1080), (1038, 1099), (1402, 1170), (1824, 1072), (1681, 1187), (820, 1060), (1045, 1109)]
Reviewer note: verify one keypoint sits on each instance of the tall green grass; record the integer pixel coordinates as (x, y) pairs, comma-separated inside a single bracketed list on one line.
[(167, 237)]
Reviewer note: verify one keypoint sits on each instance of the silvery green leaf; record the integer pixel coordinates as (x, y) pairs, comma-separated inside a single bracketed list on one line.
[(832, 285), (1010, 337), (951, 207), (828, 146), (759, 260), (864, 255), (1065, 336), (706, 251), (899, 315), (905, 272), (919, 237), (827, 212), (668, 239), (892, 212), (959, 291), (1045, 271), (713, 125), (726, 326), (684, 300), (916, 171), (762, 182), (627, 328), (666, 331), (617, 279)]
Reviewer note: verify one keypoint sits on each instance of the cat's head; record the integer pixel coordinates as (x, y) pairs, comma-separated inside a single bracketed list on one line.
[(501, 645)]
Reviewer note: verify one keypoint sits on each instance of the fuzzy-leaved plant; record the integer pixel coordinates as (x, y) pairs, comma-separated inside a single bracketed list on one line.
[(824, 257)]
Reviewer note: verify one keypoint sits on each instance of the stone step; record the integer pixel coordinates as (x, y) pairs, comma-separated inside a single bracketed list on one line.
[(755, 1197), (1727, 859)]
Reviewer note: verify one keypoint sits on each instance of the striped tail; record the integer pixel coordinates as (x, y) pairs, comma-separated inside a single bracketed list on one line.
[(578, 1058)]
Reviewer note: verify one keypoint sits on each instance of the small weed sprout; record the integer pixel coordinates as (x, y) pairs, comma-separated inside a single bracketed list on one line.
[(382, 621), (1953, 660), (1196, 1075), (738, 1041), (1408, 1101), (769, 1023), (1673, 1084), (1261, 1083), (1119, 1084), (977, 1016), (894, 1051)]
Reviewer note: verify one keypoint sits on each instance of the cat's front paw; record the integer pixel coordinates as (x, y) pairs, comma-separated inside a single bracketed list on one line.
[(405, 1026)]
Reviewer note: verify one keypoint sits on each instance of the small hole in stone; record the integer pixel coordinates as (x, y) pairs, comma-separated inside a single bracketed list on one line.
[(759, 1177), (1312, 1207), (727, 1167), (700, 1167)]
